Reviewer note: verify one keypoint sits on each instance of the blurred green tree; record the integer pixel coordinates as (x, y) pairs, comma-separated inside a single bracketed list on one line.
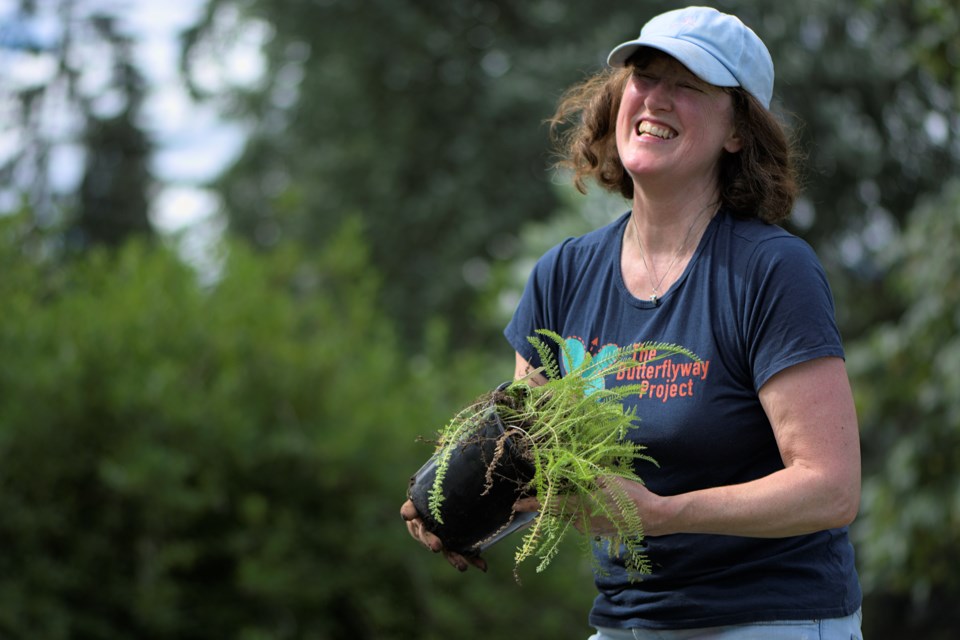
[(228, 461), (79, 103), (116, 179), (906, 375), (907, 382), (424, 116), (427, 118), (189, 444), (876, 119)]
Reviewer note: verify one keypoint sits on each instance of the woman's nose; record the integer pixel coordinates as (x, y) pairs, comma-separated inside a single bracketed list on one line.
[(659, 96)]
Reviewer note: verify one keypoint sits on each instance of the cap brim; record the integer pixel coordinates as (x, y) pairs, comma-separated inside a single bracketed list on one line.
[(697, 59)]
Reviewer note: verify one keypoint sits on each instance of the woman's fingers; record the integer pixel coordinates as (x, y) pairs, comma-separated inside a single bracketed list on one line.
[(408, 511), (526, 505), (462, 563), (418, 530)]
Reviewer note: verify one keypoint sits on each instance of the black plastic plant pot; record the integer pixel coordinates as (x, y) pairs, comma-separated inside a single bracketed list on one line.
[(475, 512)]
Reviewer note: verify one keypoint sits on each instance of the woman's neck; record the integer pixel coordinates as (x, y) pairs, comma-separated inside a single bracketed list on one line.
[(660, 239), (663, 223)]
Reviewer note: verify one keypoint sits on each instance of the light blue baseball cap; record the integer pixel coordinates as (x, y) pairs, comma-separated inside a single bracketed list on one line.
[(716, 47)]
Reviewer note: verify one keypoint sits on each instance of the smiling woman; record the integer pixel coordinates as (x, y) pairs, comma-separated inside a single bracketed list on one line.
[(746, 517)]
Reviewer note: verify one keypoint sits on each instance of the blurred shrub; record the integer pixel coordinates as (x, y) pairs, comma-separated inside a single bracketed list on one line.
[(181, 461), (907, 378)]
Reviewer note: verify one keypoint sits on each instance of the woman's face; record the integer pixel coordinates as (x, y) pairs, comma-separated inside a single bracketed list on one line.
[(673, 125)]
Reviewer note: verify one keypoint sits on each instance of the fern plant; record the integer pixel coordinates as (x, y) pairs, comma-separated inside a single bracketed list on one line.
[(572, 432)]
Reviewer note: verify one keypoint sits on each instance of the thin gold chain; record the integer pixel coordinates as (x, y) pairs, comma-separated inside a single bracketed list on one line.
[(651, 273)]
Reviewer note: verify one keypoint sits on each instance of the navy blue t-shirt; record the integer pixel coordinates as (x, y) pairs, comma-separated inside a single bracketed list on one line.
[(752, 301)]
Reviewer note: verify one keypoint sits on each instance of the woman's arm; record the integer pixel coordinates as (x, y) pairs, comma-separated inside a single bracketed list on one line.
[(810, 407), (524, 369)]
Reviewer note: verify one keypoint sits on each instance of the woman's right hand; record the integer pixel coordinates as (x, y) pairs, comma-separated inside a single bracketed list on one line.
[(419, 532)]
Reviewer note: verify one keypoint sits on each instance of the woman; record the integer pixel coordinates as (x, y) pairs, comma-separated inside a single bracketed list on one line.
[(759, 464)]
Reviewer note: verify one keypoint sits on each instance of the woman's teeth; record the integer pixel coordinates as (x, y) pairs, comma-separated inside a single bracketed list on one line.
[(660, 132)]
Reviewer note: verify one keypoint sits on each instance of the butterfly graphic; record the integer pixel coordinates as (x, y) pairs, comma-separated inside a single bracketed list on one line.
[(576, 355)]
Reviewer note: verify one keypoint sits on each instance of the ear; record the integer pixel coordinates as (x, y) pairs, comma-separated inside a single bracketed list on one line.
[(733, 143)]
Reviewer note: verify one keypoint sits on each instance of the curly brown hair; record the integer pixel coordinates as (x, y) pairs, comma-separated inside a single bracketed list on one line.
[(759, 181)]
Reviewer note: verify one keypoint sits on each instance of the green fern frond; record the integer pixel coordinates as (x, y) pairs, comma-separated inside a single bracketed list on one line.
[(635, 559), (531, 540), (627, 514), (577, 432), (548, 360), (556, 534), (458, 429), (435, 495)]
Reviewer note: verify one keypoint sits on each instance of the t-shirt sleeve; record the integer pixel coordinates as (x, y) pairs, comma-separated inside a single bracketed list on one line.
[(538, 307), (789, 311)]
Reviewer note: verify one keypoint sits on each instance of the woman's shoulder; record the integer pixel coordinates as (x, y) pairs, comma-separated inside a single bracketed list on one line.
[(768, 257), (589, 246), (752, 229), (601, 236), (761, 240)]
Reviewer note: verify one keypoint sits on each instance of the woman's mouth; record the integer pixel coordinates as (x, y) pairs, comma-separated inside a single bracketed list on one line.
[(647, 127)]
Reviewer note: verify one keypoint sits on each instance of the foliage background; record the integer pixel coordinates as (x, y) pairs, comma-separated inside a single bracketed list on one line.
[(218, 448)]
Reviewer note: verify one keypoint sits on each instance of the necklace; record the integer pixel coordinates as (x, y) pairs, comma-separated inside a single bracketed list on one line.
[(651, 273)]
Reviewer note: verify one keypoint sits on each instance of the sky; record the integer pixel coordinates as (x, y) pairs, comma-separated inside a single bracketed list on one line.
[(195, 142)]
